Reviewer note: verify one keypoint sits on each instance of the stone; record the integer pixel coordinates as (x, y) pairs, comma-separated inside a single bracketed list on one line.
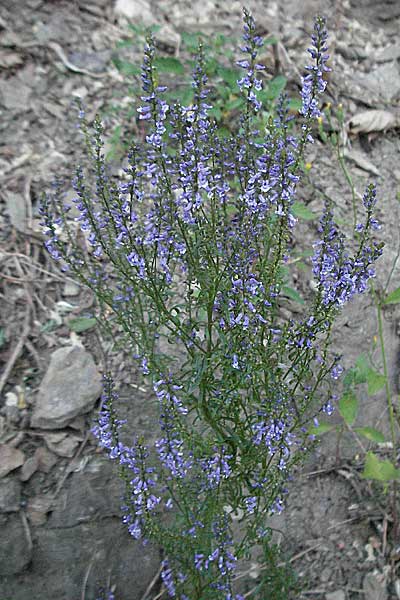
[(10, 495), (374, 586), (16, 208), (29, 468), (15, 547), (95, 491), (70, 388), (15, 95), (10, 459), (336, 595), (46, 459), (96, 62), (62, 559), (65, 447), (388, 54), (71, 288), (137, 10), (384, 81), (37, 509)]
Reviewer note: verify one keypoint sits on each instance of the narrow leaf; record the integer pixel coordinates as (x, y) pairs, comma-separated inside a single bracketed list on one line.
[(80, 324), (275, 87), (125, 67), (292, 294), (169, 64), (229, 75), (321, 428), (393, 298), (373, 435), (301, 211)]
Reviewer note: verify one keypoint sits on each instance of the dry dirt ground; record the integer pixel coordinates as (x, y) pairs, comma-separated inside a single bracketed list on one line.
[(61, 536)]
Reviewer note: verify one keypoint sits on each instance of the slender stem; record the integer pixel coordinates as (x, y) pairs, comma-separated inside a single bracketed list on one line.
[(390, 409)]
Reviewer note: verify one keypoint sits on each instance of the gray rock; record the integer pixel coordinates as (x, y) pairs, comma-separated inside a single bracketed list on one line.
[(10, 495), (95, 492), (384, 81), (374, 586), (38, 508), (71, 288), (138, 10), (46, 459), (29, 468), (15, 547), (336, 595), (65, 447), (62, 561), (10, 458), (70, 388), (96, 62), (15, 95), (388, 54)]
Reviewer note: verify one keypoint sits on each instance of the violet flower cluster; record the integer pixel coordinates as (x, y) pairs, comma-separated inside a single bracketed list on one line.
[(188, 251)]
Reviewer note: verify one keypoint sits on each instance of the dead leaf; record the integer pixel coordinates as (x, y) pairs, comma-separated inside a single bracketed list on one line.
[(372, 120), (361, 161), (374, 586), (16, 208)]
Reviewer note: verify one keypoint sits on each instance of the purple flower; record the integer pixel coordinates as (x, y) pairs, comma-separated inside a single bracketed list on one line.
[(132, 460), (336, 371), (251, 504), (216, 468), (168, 579), (314, 84), (339, 276), (249, 84)]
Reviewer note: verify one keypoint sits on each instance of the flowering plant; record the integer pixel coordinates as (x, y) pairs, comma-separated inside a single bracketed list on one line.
[(188, 250)]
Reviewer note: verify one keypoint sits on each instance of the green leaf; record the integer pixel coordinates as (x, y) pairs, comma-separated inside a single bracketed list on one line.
[(2, 337), (361, 369), (215, 112), (295, 104), (49, 326), (373, 435), (348, 407), (80, 324), (235, 103), (270, 41), (301, 211), (125, 43), (211, 66), (393, 298), (142, 30), (292, 294), (169, 64), (184, 95), (229, 75), (275, 87), (375, 382), (125, 67), (380, 470), (191, 40), (321, 428)]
